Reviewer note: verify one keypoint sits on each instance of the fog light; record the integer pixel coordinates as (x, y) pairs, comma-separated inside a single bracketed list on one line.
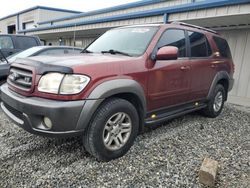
[(47, 122)]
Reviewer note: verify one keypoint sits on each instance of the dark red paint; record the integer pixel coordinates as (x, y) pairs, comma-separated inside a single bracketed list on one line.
[(165, 82)]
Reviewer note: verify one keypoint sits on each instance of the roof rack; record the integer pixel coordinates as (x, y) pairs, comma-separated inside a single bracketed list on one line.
[(194, 26)]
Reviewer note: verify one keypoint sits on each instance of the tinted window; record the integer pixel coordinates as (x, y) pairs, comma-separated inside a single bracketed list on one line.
[(72, 51), (6, 42), (199, 46), (174, 37), (26, 42), (223, 47)]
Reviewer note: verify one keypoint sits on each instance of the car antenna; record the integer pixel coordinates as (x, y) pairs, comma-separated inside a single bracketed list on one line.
[(4, 56)]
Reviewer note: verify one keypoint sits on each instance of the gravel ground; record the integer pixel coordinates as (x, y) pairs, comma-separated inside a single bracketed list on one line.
[(168, 156)]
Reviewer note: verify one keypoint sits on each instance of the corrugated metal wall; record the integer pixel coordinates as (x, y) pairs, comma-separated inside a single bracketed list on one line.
[(166, 3), (5, 23), (239, 41)]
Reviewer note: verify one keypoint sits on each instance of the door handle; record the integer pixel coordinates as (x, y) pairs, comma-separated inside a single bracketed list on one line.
[(185, 67)]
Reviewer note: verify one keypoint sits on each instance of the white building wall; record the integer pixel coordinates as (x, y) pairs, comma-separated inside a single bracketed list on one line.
[(212, 13), (124, 11), (45, 15), (6, 22), (37, 15), (31, 16), (239, 41)]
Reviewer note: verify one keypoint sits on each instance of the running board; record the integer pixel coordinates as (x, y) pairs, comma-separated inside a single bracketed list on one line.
[(156, 119)]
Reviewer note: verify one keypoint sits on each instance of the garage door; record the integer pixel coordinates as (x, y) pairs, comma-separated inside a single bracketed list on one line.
[(239, 41)]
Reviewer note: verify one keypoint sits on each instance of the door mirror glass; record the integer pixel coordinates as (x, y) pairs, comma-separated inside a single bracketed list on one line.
[(167, 53)]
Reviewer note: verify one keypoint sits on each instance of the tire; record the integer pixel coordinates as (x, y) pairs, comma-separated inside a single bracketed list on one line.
[(110, 125), (213, 110)]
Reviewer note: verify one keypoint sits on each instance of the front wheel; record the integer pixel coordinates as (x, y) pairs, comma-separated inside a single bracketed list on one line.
[(112, 130), (216, 103)]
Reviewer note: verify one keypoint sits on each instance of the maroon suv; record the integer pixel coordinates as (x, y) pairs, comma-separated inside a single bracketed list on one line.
[(129, 78)]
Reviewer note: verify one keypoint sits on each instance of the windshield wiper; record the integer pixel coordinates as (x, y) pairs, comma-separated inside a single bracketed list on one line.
[(86, 51), (115, 52)]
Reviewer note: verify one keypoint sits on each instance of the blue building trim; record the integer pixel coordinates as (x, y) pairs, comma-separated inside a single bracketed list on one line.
[(41, 7), (106, 10), (147, 13)]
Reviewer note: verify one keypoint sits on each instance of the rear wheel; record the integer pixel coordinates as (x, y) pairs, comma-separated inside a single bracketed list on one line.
[(216, 103), (112, 130)]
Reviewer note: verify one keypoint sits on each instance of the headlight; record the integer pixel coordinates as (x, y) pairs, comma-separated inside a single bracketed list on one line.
[(50, 83), (73, 84), (58, 83)]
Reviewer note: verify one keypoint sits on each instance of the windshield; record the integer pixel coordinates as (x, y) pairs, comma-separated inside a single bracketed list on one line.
[(23, 54), (133, 41)]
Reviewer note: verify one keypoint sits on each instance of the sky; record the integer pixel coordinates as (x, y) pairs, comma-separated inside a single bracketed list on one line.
[(13, 6)]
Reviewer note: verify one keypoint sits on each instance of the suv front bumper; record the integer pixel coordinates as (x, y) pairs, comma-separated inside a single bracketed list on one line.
[(68, 118)]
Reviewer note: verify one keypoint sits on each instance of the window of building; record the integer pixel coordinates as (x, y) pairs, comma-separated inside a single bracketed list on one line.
[(11, 29), (174, 37), (199, 46), (29, 25)]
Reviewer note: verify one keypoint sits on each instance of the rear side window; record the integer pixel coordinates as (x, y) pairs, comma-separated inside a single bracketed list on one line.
[(174, 37), (26, 42), (199, 46), (60, 51), (223, 47), (72, 51), (6, 42), (53, 52)]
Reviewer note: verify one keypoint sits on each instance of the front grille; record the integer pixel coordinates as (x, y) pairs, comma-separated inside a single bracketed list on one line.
[(20, 78)]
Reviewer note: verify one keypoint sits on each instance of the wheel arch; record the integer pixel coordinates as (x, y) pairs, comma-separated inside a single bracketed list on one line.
[(126, 89), (222, 78)]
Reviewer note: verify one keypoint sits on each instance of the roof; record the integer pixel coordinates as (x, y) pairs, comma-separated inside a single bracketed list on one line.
[(41, 7), (152, 12), (106, 10)]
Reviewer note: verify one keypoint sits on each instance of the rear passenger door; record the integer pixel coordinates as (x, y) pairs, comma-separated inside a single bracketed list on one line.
[(202, 73), (26, 42)]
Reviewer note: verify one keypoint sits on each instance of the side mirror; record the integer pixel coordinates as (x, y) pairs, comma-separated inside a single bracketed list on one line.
[(167, 53)]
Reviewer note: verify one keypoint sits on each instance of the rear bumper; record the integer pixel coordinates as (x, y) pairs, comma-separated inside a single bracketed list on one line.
[(29, 113)]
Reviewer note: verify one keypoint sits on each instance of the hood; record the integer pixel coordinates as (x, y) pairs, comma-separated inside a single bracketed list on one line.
[(65, 64)]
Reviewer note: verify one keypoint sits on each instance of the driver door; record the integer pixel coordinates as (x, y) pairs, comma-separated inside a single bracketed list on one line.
[(169, 80)]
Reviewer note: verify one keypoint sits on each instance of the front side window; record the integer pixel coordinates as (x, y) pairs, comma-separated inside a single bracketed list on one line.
[(132, 40), (174, 37), (72, 51), (53, 52), (6, 42), (199, 46)]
